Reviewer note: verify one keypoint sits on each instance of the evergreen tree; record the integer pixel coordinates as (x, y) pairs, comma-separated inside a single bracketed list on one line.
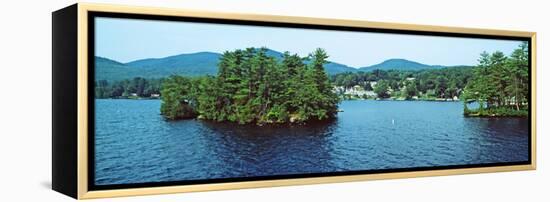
[(178, 101), (381, 89)]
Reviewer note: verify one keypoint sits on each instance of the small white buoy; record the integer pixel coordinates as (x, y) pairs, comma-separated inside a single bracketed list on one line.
[(393, 122)]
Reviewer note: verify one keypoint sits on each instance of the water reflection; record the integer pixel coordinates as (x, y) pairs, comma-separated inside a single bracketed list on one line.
[(247, 150)]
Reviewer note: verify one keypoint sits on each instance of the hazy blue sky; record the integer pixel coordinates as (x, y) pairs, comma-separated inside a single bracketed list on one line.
[(126, 40)]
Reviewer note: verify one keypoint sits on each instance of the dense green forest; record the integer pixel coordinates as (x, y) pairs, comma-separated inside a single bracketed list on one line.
[(428, 84), (128, 88), (252, 87), (500, 84)]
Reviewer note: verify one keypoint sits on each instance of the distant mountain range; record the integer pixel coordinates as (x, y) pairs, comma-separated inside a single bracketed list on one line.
[(400, 64), (205, 63)]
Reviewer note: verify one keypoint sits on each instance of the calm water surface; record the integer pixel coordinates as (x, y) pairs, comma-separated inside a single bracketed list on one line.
[(134, 144)]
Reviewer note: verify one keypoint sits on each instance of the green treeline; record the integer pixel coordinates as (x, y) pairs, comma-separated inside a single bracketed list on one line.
[(252, 87), (500, 84), (428, 84), (129, 88)]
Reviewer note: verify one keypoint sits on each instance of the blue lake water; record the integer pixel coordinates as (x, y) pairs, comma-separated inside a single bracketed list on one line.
[(134, 144)]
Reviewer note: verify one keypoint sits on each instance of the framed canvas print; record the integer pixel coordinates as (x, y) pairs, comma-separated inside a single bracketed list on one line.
[(153, 100)]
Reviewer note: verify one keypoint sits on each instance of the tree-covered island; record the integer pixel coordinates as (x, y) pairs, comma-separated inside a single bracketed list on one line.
[(252, 87)]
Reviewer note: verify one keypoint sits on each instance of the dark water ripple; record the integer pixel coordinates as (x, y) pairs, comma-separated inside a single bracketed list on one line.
[(134, 144)]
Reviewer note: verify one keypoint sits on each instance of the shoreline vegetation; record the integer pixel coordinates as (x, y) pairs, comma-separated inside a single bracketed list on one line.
[(253, 87), (500, 85)]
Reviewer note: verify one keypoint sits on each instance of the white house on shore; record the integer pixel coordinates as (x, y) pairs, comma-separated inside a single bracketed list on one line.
[(356, 90)]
